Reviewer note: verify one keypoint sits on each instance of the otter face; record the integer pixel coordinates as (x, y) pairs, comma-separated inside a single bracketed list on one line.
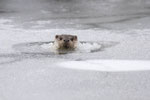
[(66, 41)]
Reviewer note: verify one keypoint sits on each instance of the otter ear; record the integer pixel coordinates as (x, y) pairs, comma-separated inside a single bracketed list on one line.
[(56, 36), (75, 37)]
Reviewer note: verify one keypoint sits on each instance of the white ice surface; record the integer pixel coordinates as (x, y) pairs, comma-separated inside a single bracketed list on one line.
[(88, 47), (48, 47), (107, 65), (42, 76), (36, 77)]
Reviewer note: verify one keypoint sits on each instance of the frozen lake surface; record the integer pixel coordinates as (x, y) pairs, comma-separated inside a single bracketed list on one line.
[(112, 61)]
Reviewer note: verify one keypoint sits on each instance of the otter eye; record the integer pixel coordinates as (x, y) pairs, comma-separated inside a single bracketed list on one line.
[(56, 36), (71, 39), (60, 38)]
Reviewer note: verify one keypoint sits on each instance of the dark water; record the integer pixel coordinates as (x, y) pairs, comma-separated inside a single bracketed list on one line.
[(82, 14)]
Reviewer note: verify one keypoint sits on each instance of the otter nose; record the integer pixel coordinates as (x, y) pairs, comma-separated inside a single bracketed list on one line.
[(66, 40)]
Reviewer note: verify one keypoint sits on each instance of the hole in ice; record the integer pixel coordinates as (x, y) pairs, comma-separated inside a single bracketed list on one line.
[(47, 47), (81, 48)]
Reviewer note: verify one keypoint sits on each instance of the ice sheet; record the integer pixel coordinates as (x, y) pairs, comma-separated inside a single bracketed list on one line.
[(28, 72), (107, 65)]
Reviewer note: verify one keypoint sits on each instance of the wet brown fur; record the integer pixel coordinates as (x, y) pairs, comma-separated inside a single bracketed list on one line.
[(65, 43)]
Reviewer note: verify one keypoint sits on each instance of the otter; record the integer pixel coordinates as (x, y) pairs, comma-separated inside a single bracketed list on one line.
[(65, 43)]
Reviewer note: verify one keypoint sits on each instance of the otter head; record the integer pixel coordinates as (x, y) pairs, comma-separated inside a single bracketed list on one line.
[(66, 41)]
